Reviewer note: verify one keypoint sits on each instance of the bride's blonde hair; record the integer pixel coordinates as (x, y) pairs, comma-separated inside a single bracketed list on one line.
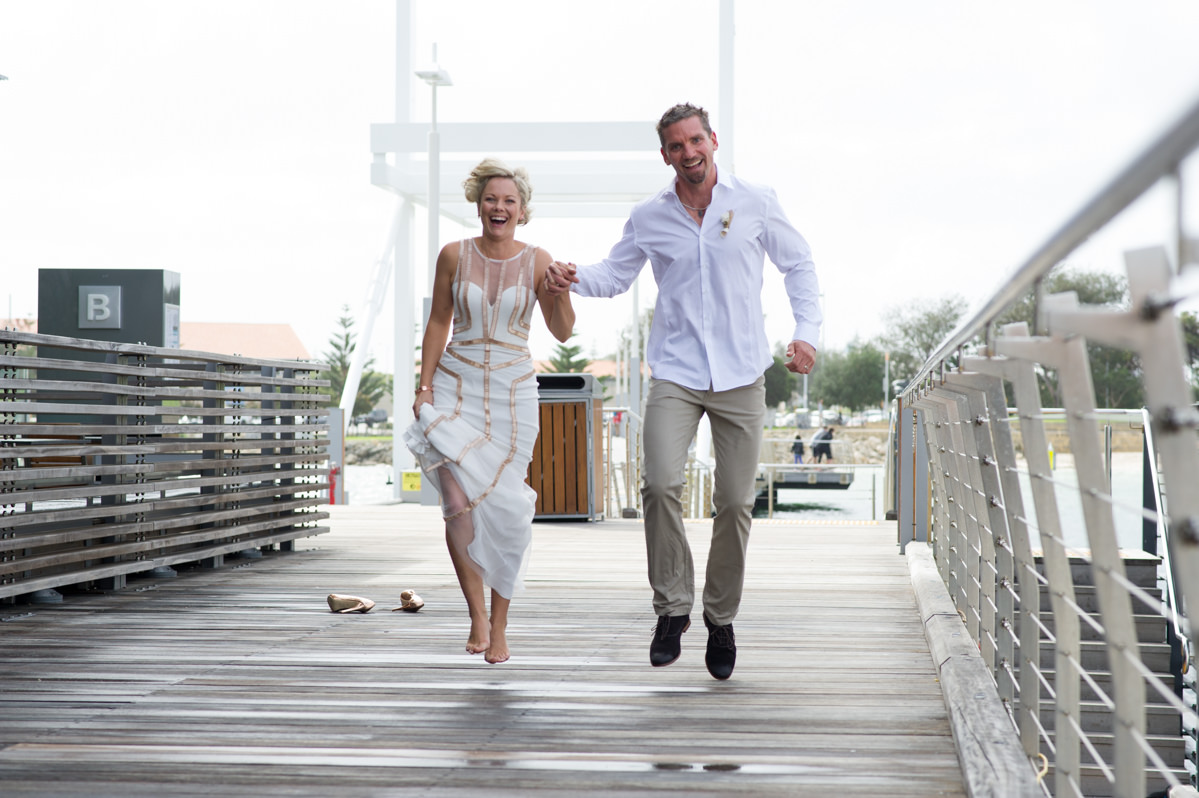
[(490, 168)]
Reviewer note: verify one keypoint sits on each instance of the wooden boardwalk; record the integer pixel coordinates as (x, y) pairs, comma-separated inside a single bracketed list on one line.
[(240, 681)]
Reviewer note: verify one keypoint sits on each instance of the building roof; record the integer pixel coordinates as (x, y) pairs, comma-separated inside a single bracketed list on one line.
[(267, 341), (20, 325), (597, 368), (264, 341)]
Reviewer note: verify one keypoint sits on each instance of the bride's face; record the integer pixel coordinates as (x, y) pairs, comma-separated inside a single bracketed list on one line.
[(500, 208)]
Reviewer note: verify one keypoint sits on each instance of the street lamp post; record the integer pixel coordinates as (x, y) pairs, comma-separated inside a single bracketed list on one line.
[(435, 76), (886, 379)]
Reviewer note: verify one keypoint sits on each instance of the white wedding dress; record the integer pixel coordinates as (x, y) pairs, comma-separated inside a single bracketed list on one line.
[(483, 422)]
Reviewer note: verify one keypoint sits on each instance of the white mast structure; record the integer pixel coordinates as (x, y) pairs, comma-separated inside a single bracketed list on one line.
[(583, 187)]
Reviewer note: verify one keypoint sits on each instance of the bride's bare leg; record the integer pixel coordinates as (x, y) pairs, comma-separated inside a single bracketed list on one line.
[(498, 650), (459, 532)]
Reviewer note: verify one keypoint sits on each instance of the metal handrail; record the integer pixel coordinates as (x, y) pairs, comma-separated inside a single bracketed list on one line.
[(1161, 158), (956, 453)]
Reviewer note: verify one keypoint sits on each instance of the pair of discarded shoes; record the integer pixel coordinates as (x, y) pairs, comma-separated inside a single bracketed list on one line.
[(410, 602)]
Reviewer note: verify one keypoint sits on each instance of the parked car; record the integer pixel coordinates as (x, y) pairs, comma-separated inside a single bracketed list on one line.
[(376, 416)]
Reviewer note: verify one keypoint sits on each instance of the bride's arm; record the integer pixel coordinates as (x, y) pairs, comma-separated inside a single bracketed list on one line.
[(556, 308)]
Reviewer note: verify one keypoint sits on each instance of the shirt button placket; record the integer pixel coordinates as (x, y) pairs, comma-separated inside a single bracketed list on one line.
[(706, 298)]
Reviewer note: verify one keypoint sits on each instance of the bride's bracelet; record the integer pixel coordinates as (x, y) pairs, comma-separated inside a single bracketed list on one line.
[(423, 388)]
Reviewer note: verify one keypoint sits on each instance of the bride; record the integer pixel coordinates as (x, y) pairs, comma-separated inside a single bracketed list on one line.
[(476, 406)]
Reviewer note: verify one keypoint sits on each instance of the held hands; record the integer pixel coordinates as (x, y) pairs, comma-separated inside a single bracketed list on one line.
[(801, 357), (558, 277)]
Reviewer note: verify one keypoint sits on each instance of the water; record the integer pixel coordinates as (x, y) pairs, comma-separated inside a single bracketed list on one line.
[(369, 484), (858, 504), (1126, 501), (863, 500)]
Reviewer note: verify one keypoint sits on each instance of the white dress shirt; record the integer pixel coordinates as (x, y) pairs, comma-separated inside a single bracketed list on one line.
[(708, 329)]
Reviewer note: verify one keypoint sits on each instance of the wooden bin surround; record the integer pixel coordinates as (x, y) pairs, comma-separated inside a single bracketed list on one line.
[(567, 468)]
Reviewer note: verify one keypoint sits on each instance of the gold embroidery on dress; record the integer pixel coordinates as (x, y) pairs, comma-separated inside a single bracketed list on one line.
[(474, 345), (462, 278), (457, 405), (519, 321), (511, 450)]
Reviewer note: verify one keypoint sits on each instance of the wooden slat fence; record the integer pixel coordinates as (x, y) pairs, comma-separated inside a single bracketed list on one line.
[(117, 459)]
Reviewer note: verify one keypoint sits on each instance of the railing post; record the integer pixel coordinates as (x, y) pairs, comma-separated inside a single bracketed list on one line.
[(1018, 370), (984, 396), (1150, 328), (1157, 336), (1148, 502), (1027, 585), (1078, 395), (969, 514), (911, 493)]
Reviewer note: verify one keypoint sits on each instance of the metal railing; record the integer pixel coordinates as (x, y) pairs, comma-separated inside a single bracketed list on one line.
[(1078, 636), (623, 475), (120, 459), (622, 462)]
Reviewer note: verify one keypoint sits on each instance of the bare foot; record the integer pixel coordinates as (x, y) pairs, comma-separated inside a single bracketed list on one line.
[(497, 652), (479, 640)]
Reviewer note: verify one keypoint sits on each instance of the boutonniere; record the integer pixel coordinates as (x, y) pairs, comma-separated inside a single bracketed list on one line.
[(725, 221)]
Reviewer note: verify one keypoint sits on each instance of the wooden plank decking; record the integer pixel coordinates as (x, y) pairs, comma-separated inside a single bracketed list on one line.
[(239, 681)]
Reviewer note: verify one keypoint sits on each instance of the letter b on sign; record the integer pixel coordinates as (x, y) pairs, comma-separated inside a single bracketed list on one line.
[(99, 307)]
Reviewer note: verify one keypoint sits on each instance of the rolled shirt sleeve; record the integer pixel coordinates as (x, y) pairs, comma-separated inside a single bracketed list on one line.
[(614, 274), (791, 255)]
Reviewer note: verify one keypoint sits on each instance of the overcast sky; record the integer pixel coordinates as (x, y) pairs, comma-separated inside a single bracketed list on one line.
[(923, 148)]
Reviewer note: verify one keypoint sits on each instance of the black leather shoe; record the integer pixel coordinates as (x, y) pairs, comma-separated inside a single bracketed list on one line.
[(722, 649), (666, 646)]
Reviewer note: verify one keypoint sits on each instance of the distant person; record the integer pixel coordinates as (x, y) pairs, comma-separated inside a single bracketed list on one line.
[(706, 235), (822, 446), (797, 448), (476, 407)]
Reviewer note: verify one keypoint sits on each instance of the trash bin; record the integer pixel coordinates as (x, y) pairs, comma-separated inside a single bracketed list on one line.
[(567, 470)]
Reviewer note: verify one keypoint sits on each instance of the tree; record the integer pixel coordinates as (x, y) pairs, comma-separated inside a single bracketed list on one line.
[(372, 386), (1190, 334), (1117, 376), (852, 379), (915, 330), (1116, 373), (1092, 288), (567, 358), (780, 383)]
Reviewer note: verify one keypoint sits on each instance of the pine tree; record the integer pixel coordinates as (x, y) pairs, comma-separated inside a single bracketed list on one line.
[(567, 360), (372, 386)]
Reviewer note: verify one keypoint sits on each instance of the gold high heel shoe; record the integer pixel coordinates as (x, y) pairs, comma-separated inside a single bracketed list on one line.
[(410, 602), (344, 604)]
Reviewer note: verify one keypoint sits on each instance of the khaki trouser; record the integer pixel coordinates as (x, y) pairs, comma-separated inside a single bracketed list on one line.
[(672, 416)]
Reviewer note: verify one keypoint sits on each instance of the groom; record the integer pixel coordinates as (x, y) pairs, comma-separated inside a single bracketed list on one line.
[(706, 235)]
